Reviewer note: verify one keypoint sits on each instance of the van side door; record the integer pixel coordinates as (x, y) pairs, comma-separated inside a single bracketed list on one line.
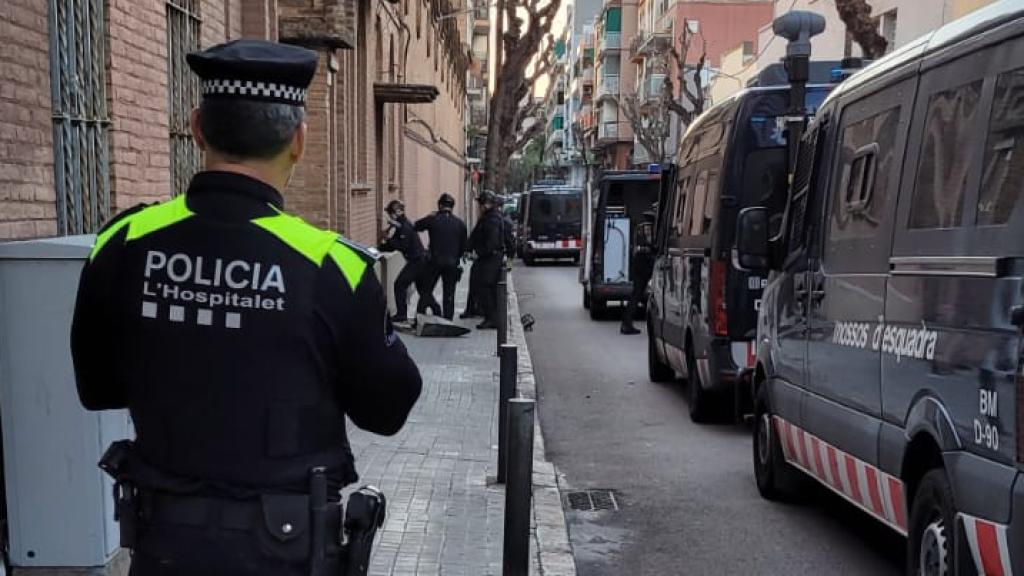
[(846, 289), (663, 222), (952, 340)]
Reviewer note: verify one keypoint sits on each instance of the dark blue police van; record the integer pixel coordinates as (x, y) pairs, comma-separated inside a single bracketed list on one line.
[(890, 357), (702, 312)]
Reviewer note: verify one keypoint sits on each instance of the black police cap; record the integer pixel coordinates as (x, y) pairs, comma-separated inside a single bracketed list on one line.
[(255, 70)]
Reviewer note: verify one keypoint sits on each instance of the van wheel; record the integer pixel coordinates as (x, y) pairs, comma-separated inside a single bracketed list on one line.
[(597, 308), (930, 546), (776, 479), (701, 402), (586, 298), (657, 370)]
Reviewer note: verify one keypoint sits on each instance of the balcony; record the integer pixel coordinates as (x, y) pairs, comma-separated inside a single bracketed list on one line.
[(651, 86), (611, 41), (588, 75), (646, 43), (608, 130), (609, 86), (557, 137)]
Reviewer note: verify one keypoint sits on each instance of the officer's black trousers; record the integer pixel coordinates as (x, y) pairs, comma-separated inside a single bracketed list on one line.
[(642, 271), (412, 273), (449, 277), (488, 272), (173, 550)]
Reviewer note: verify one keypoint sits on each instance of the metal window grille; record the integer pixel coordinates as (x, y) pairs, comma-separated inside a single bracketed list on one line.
[(183, 24), (78, 50)]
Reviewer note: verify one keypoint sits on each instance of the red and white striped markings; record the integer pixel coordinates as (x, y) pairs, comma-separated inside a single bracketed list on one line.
[(570, 243), (878, 493), (988, 544)]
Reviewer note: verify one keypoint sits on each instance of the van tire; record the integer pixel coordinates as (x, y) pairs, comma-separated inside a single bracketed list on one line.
[(701, 401), (776, 479), (586, 298), (597, 308), (657, 370), (932, 525)]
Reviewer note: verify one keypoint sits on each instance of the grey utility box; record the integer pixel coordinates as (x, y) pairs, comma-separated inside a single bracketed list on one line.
[(59, 504)]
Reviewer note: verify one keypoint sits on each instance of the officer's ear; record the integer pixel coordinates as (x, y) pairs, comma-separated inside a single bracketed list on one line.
[(197, 132), (298, 147)]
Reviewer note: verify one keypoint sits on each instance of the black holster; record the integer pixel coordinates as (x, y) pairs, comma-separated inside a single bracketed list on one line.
[(127, 509), (364, 515)]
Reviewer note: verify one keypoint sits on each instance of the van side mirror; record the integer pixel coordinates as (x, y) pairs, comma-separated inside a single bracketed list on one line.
[(752, 239)]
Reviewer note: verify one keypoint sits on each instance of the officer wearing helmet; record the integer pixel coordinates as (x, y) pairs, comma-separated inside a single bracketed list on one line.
[(487, 242), (401, 236), (239, 338), (448, 240)]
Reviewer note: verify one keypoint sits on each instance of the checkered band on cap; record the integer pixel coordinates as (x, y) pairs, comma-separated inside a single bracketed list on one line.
[(257, 90)]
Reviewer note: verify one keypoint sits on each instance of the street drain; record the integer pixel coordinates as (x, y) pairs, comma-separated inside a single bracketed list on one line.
[(592, 500)]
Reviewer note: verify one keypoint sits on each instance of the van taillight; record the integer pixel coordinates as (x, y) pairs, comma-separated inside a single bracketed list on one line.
[(716, 288)]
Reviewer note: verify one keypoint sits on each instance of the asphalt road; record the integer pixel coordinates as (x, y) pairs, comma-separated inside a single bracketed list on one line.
[(688, 502)]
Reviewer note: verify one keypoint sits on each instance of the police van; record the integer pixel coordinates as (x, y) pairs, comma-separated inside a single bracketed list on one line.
[(622, 197), (702, 311), (889, 361), (552, 223)]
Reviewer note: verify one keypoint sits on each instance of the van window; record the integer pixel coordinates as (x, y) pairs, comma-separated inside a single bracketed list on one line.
[(860, 200), (951, 124), (678, 223), (1003, 177), (700, 196)]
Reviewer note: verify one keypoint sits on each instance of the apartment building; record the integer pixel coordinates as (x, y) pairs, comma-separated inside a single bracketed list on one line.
[(95, 97), (714, 25), (615, 76)]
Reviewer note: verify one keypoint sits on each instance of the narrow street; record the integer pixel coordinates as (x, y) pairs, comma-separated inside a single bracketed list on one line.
[(686, 493)]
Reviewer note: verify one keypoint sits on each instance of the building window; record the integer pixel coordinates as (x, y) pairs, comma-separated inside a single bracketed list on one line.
[(887, 28), (182, 90), (78, 56)]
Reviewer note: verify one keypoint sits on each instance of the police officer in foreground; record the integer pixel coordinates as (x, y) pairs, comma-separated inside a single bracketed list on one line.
[(448, 239), (487, 242), (401, 236), (239, 337), (642, 264)]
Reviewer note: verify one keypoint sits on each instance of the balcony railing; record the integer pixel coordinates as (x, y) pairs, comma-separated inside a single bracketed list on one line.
[(609, 86), (608, 130), (645, 43), (611, 41), (588, 75), (651, 86)]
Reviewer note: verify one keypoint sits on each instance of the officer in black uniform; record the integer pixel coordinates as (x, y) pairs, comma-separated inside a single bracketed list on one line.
[(239, 337), (642, 264), (448, 239), (402, 237), (487, 242)]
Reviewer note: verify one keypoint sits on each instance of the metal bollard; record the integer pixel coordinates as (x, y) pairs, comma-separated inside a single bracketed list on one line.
[(519, 490), (506, 391), (502, 315)]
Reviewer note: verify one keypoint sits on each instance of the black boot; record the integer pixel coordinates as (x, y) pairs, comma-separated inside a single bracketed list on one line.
[(628, 329)]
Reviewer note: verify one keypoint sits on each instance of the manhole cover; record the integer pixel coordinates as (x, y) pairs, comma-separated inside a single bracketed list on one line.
[(592, 500)]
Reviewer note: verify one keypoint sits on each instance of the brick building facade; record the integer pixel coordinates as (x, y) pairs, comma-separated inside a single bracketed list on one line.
[(94, 100)]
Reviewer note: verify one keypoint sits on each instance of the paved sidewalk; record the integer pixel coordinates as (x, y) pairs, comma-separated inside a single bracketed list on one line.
[(444, 517)]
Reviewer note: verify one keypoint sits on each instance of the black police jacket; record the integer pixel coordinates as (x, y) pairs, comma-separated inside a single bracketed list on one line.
[(238, 337), (448, 237), (404, 240), (486, 239)]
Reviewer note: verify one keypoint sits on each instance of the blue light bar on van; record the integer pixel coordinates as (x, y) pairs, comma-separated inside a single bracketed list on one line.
[(654, 168)]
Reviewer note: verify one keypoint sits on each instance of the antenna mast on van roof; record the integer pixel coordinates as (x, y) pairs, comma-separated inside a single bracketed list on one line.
[(798, 27)]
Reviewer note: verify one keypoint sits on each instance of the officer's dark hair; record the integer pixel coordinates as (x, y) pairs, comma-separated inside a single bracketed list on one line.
[(446, 201), (248, 129)]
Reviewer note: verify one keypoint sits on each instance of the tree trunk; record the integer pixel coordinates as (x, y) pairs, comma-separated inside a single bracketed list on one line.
[(856, 15)]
